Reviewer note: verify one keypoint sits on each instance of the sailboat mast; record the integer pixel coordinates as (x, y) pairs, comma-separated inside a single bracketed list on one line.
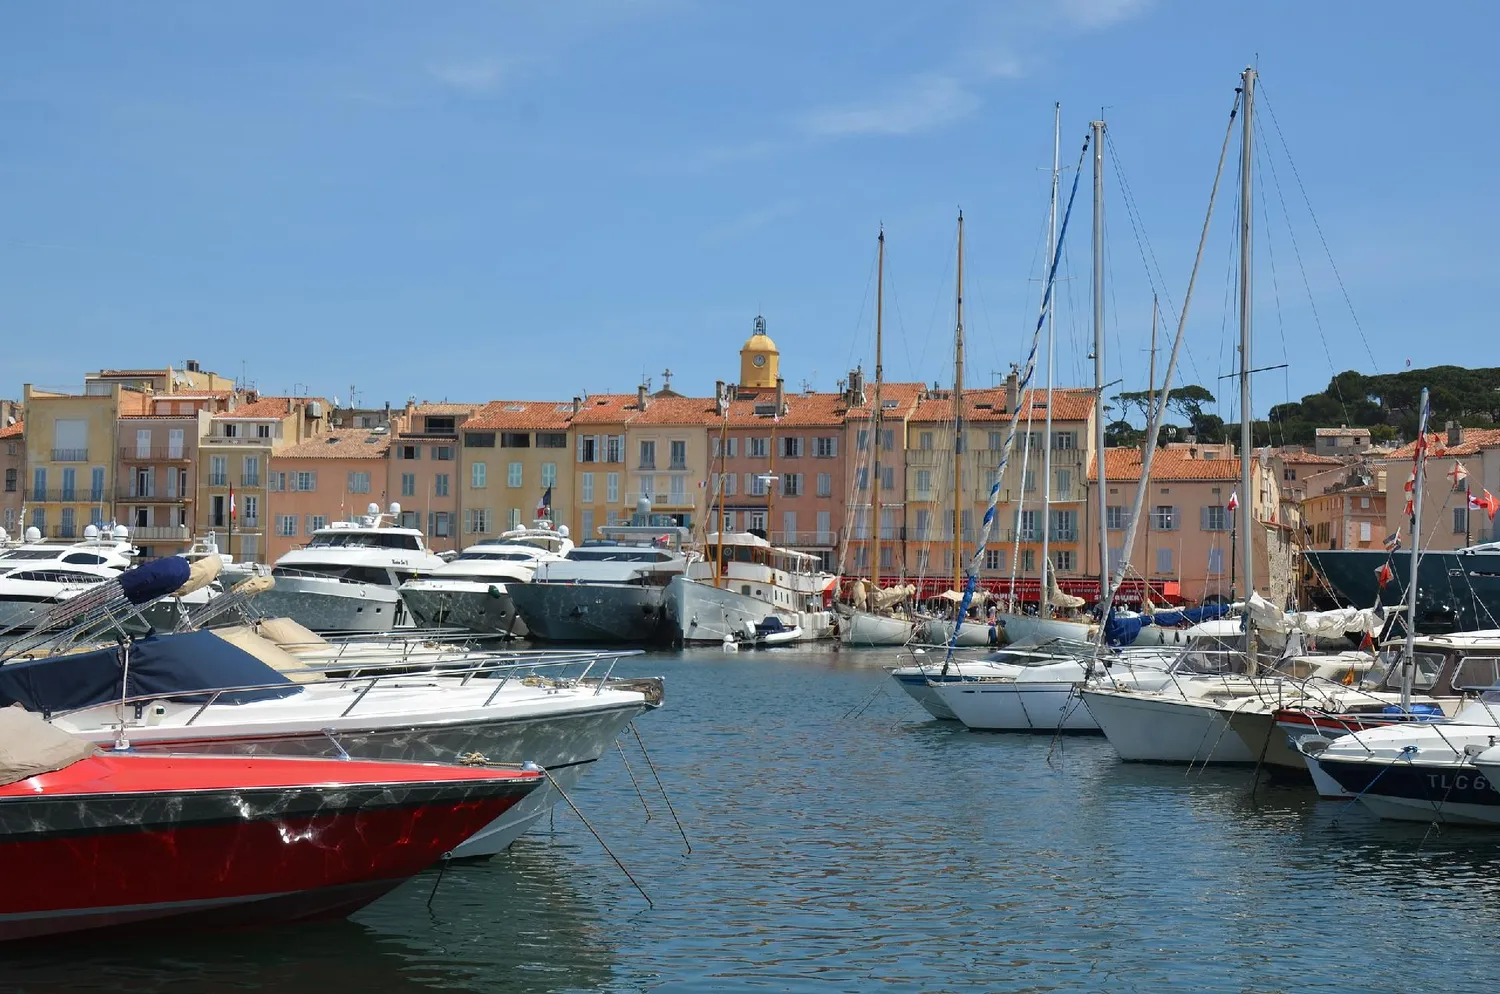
[(1419, 481), (958, 416), (1097, 127), (878, 412), (1247, 213), (1044, 606)]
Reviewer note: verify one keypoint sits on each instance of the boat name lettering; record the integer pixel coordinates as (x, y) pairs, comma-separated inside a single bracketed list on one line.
[(1441, 781)]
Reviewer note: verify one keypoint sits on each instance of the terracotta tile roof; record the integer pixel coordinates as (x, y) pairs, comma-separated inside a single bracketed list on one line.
[(1124, 465), (906, 395), (676, 411), (989, 405), (1310, 459), (340, 443), (265, 407), (605, 409), (446, 408), (522, 415), (1438, 447), (13, 431), (802, 410)]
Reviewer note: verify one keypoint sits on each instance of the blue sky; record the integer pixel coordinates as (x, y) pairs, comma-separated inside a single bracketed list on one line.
[(536, 200)]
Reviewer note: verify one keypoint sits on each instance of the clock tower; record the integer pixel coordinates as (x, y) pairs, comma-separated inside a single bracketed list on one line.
[(760, 363)]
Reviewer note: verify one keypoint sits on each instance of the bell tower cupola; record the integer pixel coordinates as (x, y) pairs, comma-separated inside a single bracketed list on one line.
[(760, 363)]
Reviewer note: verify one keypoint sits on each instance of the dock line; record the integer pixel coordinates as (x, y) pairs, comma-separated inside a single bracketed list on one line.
[(659, 786)]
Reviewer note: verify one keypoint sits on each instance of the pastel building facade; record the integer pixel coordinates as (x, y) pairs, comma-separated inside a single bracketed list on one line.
[(423, 470), (333, 475), (72, 441), (511, 453)]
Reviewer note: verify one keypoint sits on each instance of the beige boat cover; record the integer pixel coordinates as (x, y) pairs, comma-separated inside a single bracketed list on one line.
[(255, 585), (268, 652), (30, 746), (200, 574), (1057, 598), (289, 634), (891, 596)]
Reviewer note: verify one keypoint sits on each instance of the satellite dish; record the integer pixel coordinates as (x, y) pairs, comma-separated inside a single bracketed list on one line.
[(562, 530), (119, 533), (395, 509), (91, 532), (373, 508), (33, 534)]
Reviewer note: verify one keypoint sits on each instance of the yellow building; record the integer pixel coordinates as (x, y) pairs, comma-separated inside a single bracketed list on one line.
[(666, 452), (71, 446), (13, 472), (511, 455), (760, 362), (599, 424)]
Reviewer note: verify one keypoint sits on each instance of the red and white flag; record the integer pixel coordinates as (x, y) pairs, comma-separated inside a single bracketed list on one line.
[(1234, 500), (231, 502), (1384, 575), (1458, 474), (1488, 503)]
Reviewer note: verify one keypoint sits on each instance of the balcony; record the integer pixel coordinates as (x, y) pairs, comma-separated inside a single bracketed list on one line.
[(161, 533), (688, 498), (218, 479), (1064, 534), (237, 440), (801, 539), (154, 453), (70, 455), (155, 496), (64, 495)]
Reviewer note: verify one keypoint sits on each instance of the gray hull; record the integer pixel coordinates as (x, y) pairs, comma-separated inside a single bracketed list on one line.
[(697, 612), (332, 606), (475, 610), (613, 613)]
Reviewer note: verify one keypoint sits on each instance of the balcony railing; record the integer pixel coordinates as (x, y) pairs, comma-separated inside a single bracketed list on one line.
[(160, 533), (688, 498), (812, 538), (65, 495), (154, 495), (237, 440), (218, 479), (154, 453), (70, 455), (1064, 534)]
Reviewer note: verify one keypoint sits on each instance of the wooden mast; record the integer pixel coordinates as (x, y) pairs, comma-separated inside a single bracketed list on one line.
[(958, 416), (877, 417)]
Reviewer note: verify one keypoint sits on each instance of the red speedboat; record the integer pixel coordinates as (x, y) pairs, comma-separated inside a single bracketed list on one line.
[(118, 839)]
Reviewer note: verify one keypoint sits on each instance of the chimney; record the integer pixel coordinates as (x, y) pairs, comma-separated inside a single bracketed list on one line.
[(780, 396), (640, 397), (856, 387), (1012, 390), (577, 405), (387, 413), (721, 398), (1455, 433)]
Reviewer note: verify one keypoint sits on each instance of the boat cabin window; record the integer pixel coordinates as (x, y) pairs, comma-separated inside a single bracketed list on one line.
[(513, 557), (1476, 673), (619, 555), (364, 540), (1212, 656), (374, 575), (402, 575), (19, 554), (84, 559), (55, 576), (1429, 665)]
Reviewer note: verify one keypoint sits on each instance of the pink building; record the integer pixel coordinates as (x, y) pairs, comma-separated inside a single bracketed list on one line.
[(423, 468), (328, 477)]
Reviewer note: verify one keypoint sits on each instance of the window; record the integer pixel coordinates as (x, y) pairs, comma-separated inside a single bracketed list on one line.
[(306, 481), (442, 524), (614, 448), (825, 528), (825, 484), (218, 471), (677, 489), (791, 448), (1364, 502), (174, 443), (276, 482), (1215, 561), (1114, 517), (825, 447), (729, 480), (1288, 474), (1460, 520), (1062, 560), (922, 525), (513, 474), (1164, 560), (549, 474), (39, 483), (997, 441), (39, 519), (648, 455), (791, 484), (10, 480), (924, 441), (887, 557), (588, 448), (231, 431), (477, 520), (611, 487), (1065, 526), (262, 431), (286, 525), (862, 440), (862, 478), (359, 483), (1028, 484), (552, 440), (515, 440), (1028, 559), (443, 424), (1475, 673), (678, 451), (1216, 518), (924, 484), (1364, 530), (1164, 518), (440, 485), (96, 484), (586, 488), (251, 515), (1064, 439), (513, 518), (887, 477), (789, 526), (1064, 484), (1026, 525), (143, 443), (759, 446), (69, 483), (479, 439), (755, 485), (586, 524), (442, 453), (408, 484), (887, 438), (477, 476), (409, 452), (65, 530), (994, 558), (315, 522)]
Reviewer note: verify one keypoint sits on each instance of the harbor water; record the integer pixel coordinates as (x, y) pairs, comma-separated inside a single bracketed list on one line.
[(842, 841)]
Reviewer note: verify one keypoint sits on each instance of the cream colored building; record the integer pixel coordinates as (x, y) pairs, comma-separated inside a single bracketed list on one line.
[(512, 453), (71, 445)]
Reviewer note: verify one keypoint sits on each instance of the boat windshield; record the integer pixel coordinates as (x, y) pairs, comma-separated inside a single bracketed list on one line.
[(1429, 665), (364, 540), (1209, 655), (517, 557), (619, 555)]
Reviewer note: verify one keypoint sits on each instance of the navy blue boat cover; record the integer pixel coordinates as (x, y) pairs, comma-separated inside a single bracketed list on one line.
[(158, 578), (169, 666), (1123, 631)]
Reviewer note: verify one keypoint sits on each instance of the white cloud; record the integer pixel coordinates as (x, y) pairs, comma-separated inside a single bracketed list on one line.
[(473, 78), (1093, 15), (927, 101)]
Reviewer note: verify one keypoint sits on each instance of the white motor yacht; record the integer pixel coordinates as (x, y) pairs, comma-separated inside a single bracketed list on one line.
[(347, 577), (36, 576), (472, 591), (751, 581)]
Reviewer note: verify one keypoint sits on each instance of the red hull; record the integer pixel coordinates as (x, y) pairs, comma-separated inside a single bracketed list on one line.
[(1297, 720), (292, 840)]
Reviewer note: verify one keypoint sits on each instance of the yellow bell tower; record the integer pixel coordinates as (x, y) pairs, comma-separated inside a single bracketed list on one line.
[(760, 363)]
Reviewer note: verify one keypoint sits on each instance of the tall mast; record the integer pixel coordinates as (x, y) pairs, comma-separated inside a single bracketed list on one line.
[(1419, 480), (878, 412), (1247, 212), (958, 417), (1150, 407), (1044, 606), (1097, 127)]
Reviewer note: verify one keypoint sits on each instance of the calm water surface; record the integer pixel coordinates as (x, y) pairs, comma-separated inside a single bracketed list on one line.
[(840, 849)]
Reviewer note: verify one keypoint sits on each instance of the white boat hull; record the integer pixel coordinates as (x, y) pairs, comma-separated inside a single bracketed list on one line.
[(1037, 628), (860, 628), (1147, 728), (701, 612), (937, 631), (328, 605)]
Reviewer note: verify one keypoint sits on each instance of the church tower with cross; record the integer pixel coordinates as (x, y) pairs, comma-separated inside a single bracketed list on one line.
[(760, 363)]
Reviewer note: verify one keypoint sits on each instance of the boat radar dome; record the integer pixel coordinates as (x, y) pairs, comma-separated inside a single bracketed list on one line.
[(643, 506), (91, 532), (33, 534), (562, 530), (3, 535), (395, 510), (373, 508), (119, 533)]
